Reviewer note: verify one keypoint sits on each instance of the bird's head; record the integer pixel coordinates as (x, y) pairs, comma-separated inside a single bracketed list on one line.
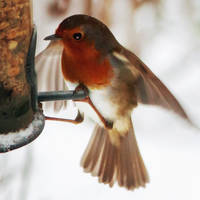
[(82, 31)]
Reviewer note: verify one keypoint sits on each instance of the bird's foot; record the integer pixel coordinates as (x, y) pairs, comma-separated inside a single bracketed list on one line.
[(82, 87), (107, 124)]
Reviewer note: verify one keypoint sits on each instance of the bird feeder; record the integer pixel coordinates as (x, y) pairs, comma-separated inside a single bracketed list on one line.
[(21, 119)]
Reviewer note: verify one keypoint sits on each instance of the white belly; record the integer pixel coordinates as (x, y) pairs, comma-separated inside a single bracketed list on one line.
[(101, 101)]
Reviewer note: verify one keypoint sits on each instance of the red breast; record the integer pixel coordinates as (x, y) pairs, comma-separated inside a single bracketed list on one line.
[(84, 58), (83, 63)]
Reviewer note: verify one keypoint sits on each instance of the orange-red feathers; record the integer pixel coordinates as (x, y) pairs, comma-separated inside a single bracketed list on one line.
[(83, 63)]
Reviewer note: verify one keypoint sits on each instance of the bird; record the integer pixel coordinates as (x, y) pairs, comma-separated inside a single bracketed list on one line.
[(83, 54)]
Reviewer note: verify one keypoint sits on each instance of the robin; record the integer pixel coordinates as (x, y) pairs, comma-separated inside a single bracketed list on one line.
[(89, 58)]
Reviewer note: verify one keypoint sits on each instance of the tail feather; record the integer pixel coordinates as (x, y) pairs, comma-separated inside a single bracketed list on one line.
[(92, 152), (122, 163)]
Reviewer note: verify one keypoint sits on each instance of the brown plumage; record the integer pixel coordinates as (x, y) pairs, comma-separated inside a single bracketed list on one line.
[(150, 89), (92, 57), (110, 163)]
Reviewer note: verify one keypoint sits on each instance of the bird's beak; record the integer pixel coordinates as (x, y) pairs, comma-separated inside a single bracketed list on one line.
[(52, 37)]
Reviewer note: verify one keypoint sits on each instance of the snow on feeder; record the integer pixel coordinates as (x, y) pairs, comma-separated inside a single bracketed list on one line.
[(21, 121)]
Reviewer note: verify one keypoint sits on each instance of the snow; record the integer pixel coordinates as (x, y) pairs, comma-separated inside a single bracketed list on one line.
[(170, 147), (24, 136)]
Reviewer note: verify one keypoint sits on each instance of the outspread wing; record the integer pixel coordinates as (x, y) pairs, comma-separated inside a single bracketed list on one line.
[(150, 90), (49, 75)]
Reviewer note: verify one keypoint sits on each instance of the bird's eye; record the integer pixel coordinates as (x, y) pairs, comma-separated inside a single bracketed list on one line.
[(77, 36)]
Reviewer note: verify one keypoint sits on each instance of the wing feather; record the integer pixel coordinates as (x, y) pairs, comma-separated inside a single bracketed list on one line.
[(49, 74), (150, 90)]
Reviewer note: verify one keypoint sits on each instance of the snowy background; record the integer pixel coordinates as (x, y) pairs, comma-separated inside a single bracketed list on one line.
[(166, 36)]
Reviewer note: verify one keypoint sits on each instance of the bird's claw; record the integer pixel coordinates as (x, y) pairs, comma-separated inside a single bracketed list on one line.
[(82, 87)]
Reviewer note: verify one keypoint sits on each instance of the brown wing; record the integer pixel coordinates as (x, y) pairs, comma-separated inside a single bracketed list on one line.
[(49, 75), (150, 89)]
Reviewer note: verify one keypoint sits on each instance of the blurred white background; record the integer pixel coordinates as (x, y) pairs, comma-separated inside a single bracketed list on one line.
[(165, 34)]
